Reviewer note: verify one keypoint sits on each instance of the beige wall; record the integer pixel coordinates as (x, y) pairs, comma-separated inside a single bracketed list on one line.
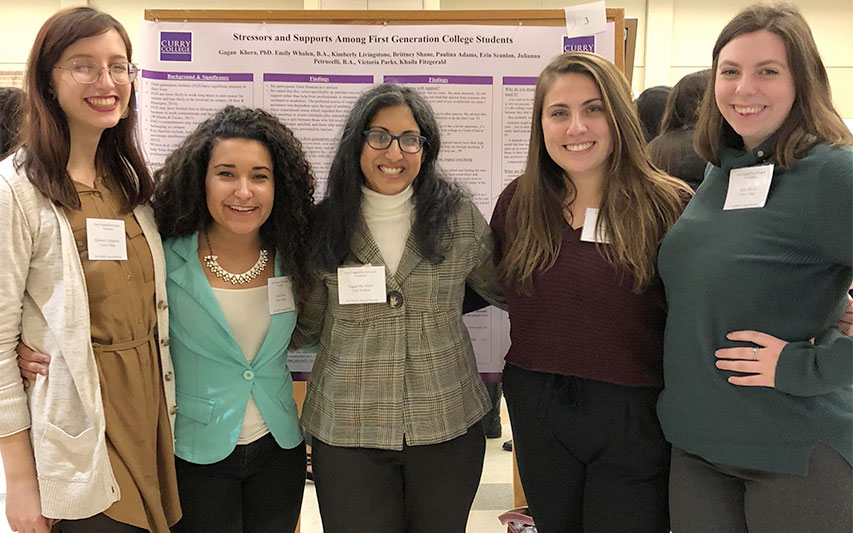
[(674, 38)]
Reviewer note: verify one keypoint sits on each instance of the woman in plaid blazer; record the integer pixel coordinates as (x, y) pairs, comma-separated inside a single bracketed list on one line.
[(394, 400)]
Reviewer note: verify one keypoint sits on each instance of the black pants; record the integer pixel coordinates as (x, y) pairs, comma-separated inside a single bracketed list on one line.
[(591, 455), (421, 489), (256, 489), (100, 523), (713, 498)]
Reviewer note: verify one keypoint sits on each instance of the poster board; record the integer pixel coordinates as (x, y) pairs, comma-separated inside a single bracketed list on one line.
[(477, 69), (630, 47)]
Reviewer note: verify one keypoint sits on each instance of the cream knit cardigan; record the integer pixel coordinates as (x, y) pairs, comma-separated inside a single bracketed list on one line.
[(43, 301)]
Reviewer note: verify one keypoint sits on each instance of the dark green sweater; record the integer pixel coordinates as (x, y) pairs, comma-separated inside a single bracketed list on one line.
[(783, 270)]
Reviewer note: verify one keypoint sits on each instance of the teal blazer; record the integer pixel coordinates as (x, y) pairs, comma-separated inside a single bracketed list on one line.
[(212, 377)]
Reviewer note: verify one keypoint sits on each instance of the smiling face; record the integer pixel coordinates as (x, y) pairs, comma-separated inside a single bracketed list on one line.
[(91, 108), (240, 188), (754, 86), (391, 170), (575, 127)]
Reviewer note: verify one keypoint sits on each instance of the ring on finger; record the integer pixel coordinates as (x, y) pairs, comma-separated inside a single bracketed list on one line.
[(754, 355)]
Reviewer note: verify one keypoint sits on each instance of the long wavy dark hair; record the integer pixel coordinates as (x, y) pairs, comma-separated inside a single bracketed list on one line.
[(45, 135), (434, 197), (180, 201), (11, 102), (672, 150)]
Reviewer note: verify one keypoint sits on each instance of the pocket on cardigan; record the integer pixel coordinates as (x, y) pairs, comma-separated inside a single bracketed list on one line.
[(66, 457)]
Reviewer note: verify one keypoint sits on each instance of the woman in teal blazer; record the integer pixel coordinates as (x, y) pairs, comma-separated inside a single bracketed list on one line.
[(208, 395), (232, 205)]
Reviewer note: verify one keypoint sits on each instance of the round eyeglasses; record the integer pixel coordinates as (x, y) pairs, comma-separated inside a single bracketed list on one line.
[(411, 143), (88, 73)]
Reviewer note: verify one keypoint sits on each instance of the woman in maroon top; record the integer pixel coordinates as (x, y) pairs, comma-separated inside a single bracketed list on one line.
[(586, 306)]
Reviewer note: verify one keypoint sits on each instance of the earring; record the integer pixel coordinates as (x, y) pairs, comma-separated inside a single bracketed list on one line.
[(126, 112)]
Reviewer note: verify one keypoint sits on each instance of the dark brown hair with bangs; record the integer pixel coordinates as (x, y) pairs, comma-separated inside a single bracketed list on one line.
[(45, 136), (812, 116)]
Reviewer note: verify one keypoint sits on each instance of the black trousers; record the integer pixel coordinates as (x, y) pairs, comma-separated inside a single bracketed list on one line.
[(591, 455), (256, 489), (100, 523), (421, 489)]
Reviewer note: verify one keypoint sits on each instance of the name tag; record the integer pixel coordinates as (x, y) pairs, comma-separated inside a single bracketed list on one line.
[(748, 187), (106, 239), (361, 285), (280, 295), (588, 233)]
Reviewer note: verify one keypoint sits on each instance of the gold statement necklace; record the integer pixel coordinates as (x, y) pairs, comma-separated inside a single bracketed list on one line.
[(212, 263)]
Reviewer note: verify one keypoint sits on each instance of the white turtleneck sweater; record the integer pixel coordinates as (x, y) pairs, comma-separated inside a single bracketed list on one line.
[(389, 219)]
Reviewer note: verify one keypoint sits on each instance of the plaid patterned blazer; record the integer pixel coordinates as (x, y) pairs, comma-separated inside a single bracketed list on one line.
[(403, 368)]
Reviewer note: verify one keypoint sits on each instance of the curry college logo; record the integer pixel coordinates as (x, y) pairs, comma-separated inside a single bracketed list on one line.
[(579, 44), (176, 46)]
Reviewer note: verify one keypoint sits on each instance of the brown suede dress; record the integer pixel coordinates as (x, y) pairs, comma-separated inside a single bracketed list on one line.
[(123, 316)]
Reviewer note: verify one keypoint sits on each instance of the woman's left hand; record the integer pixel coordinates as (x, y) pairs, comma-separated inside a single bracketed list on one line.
[(758, 362)]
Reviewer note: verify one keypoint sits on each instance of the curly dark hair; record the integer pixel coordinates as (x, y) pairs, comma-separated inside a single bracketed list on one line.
[(11, 104), (435, 197), (180, 205)]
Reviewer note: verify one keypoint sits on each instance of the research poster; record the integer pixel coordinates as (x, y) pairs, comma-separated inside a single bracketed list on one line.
[(478, 79)]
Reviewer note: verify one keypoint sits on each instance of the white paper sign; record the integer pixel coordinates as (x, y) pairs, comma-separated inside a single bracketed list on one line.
[(280, 295), (748, 187), (588, 233), (586, 19), (106, 239), (361, 285)]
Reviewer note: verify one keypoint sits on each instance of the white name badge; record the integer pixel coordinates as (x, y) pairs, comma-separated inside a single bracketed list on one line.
[(361, 285), (106, 239), (748, 187), (280, 295), (588, 233)]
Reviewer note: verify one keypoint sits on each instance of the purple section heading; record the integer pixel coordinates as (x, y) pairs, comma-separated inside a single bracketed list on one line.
[(440, 80), (195, 76), (520, 80), (318, 78)]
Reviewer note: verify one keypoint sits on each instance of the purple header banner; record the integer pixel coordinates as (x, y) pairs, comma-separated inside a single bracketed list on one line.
[(195, 76), (441, 80), (520, 80), (317, 78)]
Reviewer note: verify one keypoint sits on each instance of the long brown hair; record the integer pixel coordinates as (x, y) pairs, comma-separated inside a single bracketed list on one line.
[(639, 203), (45, 135), (812, 116)]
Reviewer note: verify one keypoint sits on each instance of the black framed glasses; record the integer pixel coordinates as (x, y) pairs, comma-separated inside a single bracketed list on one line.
[(88, 73), (411, 143)]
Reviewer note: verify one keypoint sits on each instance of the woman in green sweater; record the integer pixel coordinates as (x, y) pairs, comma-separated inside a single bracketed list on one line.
[(758, 400)]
